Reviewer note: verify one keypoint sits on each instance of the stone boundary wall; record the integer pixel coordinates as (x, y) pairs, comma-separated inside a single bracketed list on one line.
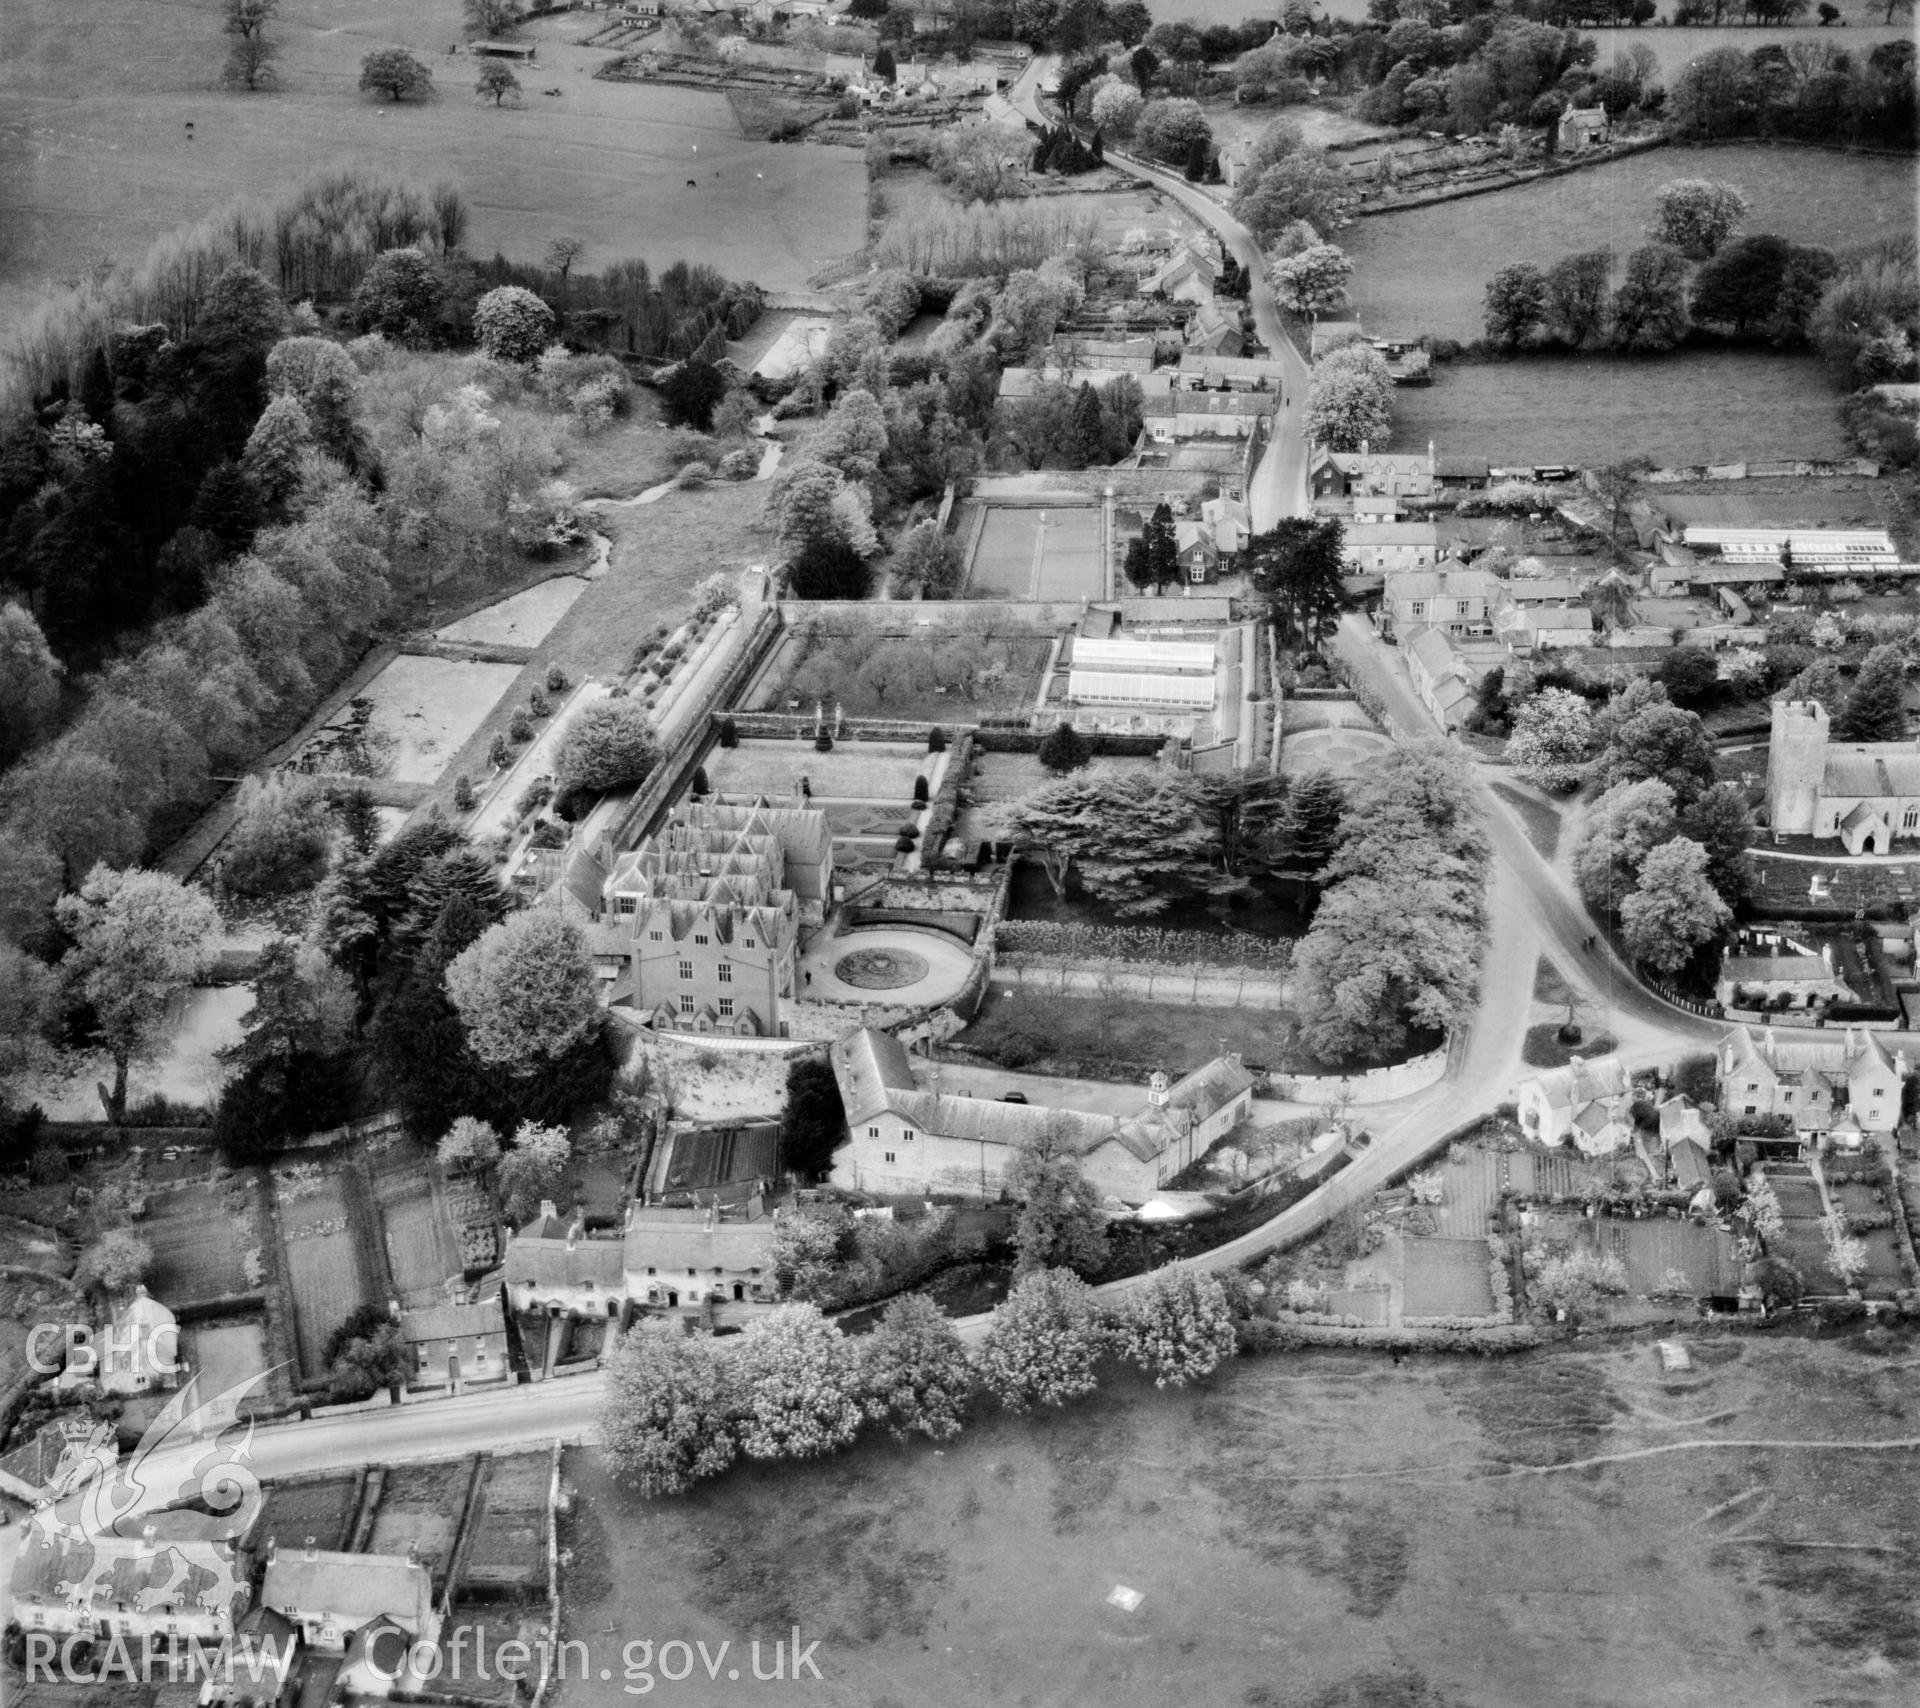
[(1853, 466), (1153, 981), (1376, 1085)]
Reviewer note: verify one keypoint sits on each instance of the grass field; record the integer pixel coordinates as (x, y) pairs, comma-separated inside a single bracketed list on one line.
[(1426, 270), (322, 1266), (1132, 1037), (1696, 406), (1373, 1504), (95, 160)]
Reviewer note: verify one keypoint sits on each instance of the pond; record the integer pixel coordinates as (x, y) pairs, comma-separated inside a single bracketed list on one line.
[(1273, 908)]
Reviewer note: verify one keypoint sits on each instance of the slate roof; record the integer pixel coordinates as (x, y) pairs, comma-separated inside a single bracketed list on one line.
[(355, 1589), (1580, 1082), (452, 1322), (1782, 1055), (1222, 403), (1872, 769), (143, 1574), (702, 1240)]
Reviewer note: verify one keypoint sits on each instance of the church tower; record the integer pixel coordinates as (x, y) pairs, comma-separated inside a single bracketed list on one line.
[(1796, 763)]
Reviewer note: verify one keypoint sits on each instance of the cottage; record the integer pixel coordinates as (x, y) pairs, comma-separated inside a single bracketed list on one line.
[(1808, 1076), (905, 1139), (454, 1346), (1216, 330), (1128, 355), (552, 1268), (1345, 474), (331, 1597), (1189, 274), (1530, 628), (1441, 677), (138, 1352), (687, 1260), (140, 1589), (1589, 1103), (1385, 548), (1201, 372), (1580, 129), (1767, 968)]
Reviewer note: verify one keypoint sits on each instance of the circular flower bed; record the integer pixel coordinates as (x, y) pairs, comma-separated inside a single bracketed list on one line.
[(880, 969)]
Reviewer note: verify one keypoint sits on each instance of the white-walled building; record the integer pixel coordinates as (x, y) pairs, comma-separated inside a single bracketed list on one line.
[(1587, 1103)]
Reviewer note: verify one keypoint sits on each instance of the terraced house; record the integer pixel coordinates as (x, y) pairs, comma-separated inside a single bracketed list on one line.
[(699, 927)]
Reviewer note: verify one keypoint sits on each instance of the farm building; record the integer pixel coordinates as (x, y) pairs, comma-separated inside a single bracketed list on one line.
[(1216, 331), (1206, 415), (1128, 355), (1201, 372), (908, 1140), (1537, 627), (1189, 274)]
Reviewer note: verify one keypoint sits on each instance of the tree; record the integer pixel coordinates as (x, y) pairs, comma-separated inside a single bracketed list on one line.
[(1577, 296), (281, 838), (511, 324), (393, 72), (29, 682), (1315, 806), (251, 51), (1117, 107), (669, 1418), (320, 376), (692, 390), (1689, 675), (1043, 1342), (1552, 739), (1515, 312), (469, 1146), (1722, 824), (816, 1119), (1298, 565), (1350, 399), (1178, 1327), (607, 745), (1650, 307), (1776, 1281), (1675, 908), (1303, 187), (1060, 1225), (1696, 213), (1136, 840), (1713, 95), (525, 991), (1875, 706), (1576, 1283), (376, 1357), (799, 1385), (1395, 941), (274, 460), (1162, 547), (1625, 825), (72, 804), (118, 1260), (927, 559), (533, 1170), (1144, 63), (496, 82), (489, 20), (401, 296), (914, 1373), (1313, 282), (1063, 748), (1170, 130), (1640, 735), (140, 939), (829, 569), (419, 1047)]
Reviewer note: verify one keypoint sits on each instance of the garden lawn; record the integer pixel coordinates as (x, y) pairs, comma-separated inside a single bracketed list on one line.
[(1543, 1048), (1132, 1038), (1425, 270), (198, 1245), (224, 1354), (96, 160), (865, 771), (323, 1268), (1364, 1499), (1447, 1278)]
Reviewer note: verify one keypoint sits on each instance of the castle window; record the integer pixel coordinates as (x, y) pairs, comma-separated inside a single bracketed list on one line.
[(748, 941), (686, 1005), (654, 936), (700, 937), (1910, 819), (726, 973), (873, 1132), (907, 1136), (889, 1156), (626, 905), (686, 969), (726, 1007)]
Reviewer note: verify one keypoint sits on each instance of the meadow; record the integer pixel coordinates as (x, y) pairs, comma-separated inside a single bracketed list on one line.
[(1313, 1531), (96, 160), (1425, 271), (1696, 406)]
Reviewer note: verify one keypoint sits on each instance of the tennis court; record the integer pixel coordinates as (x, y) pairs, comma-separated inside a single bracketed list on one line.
[(1038, 553)]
